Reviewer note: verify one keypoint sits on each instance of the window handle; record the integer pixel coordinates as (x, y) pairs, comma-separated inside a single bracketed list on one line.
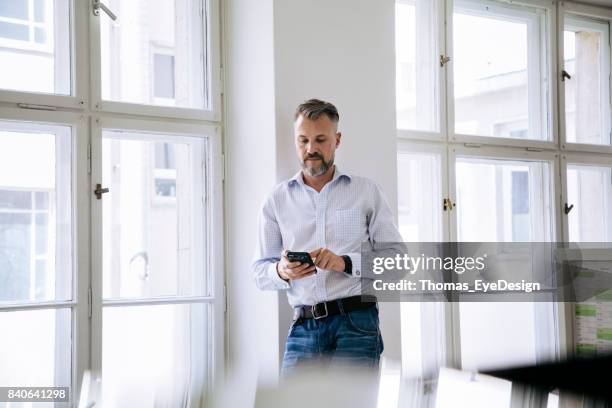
[(447, 204), (565, 75), (568, 208), (444, 60), (99, 191), (97, 5)]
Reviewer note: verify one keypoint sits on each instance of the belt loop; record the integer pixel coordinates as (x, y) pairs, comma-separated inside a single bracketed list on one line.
[(340, 306)]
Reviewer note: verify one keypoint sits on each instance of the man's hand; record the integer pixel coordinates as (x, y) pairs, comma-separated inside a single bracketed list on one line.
[(326, 259), (288, 270)]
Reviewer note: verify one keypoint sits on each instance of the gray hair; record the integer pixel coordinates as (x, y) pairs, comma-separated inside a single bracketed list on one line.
[(314, 108)]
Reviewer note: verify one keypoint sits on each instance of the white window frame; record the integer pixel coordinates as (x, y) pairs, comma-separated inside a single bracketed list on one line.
[(440, 41), (212, 68), (583, 159), (546, 53), (78, 63), (215, 257), (80, 211), (556, 149), (408, 146), (506, 153), (84, 114), (454, 330), (416, 317), (30, 44), (599, 14)]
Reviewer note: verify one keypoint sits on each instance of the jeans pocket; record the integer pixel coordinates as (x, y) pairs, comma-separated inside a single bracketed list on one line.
[(364, 321), (292, 326)]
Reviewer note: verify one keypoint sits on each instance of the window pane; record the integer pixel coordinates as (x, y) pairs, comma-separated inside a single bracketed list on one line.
[(14, 31), (589, 190), (499, 77), (40, 62), (35, 162), (503, 200), (416, 65), (499, 334), (463, 389), (131, 72), (35, 349), (154, 356), (153, 218), (40, 35), (420, 196), (39, 10), (164, 75), (42, 200), (587, 61), (15, 199), (420, 220), (14, 9)]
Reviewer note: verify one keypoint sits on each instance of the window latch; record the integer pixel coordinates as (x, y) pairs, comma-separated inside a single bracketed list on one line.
[(444, 60), (565, 75), (99, 191), (97, 5), (568, 208), (447, 204)]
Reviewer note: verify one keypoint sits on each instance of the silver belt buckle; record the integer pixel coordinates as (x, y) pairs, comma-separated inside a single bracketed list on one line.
[(313, 309)]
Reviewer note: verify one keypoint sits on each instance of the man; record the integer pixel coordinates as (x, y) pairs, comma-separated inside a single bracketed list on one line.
[(328, 213)]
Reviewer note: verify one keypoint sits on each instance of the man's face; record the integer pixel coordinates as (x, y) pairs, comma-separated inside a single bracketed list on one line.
[(315, 143)]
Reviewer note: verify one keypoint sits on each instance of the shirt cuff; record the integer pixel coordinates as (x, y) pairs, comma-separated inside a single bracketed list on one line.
[(356, 261), (279, 282)]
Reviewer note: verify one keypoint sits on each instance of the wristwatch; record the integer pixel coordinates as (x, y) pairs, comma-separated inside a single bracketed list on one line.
[(348, 264)]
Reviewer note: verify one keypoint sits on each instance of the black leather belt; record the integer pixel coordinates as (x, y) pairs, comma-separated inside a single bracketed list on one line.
[(333, 307)]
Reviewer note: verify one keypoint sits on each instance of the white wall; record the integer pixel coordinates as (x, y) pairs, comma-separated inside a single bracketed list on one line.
[(251, 173), (342, 51), (279, 53)]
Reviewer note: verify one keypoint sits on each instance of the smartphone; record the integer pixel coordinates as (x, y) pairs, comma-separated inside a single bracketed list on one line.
[(303, 257)]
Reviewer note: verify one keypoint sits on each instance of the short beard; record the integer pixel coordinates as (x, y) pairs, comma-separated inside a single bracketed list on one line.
[(322, 169)]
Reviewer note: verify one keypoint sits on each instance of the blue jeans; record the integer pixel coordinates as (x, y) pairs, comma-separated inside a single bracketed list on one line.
[(350, 339)]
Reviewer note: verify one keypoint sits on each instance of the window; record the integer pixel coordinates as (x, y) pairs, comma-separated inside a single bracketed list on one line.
[(420, 194), (152, 251), (110, 242), (163, 78), (421, 186), (36, 259), (586, 54), (165, 170), (416, 59), (24, 216), (34, 203), (35, 51), (500, 69), (131, 46), (503, 200), (529, 160), (156, 280), (589, 197)]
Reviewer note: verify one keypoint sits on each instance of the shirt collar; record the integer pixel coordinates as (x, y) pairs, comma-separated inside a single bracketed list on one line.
[(297, 178)]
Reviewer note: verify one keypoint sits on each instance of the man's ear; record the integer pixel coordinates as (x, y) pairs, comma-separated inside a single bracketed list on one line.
[(338, 138)]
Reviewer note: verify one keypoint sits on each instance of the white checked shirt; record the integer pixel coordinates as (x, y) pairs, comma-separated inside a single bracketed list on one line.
[(347, 211)]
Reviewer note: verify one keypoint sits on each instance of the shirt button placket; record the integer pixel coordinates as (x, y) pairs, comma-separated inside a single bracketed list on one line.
[(321, 203)]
